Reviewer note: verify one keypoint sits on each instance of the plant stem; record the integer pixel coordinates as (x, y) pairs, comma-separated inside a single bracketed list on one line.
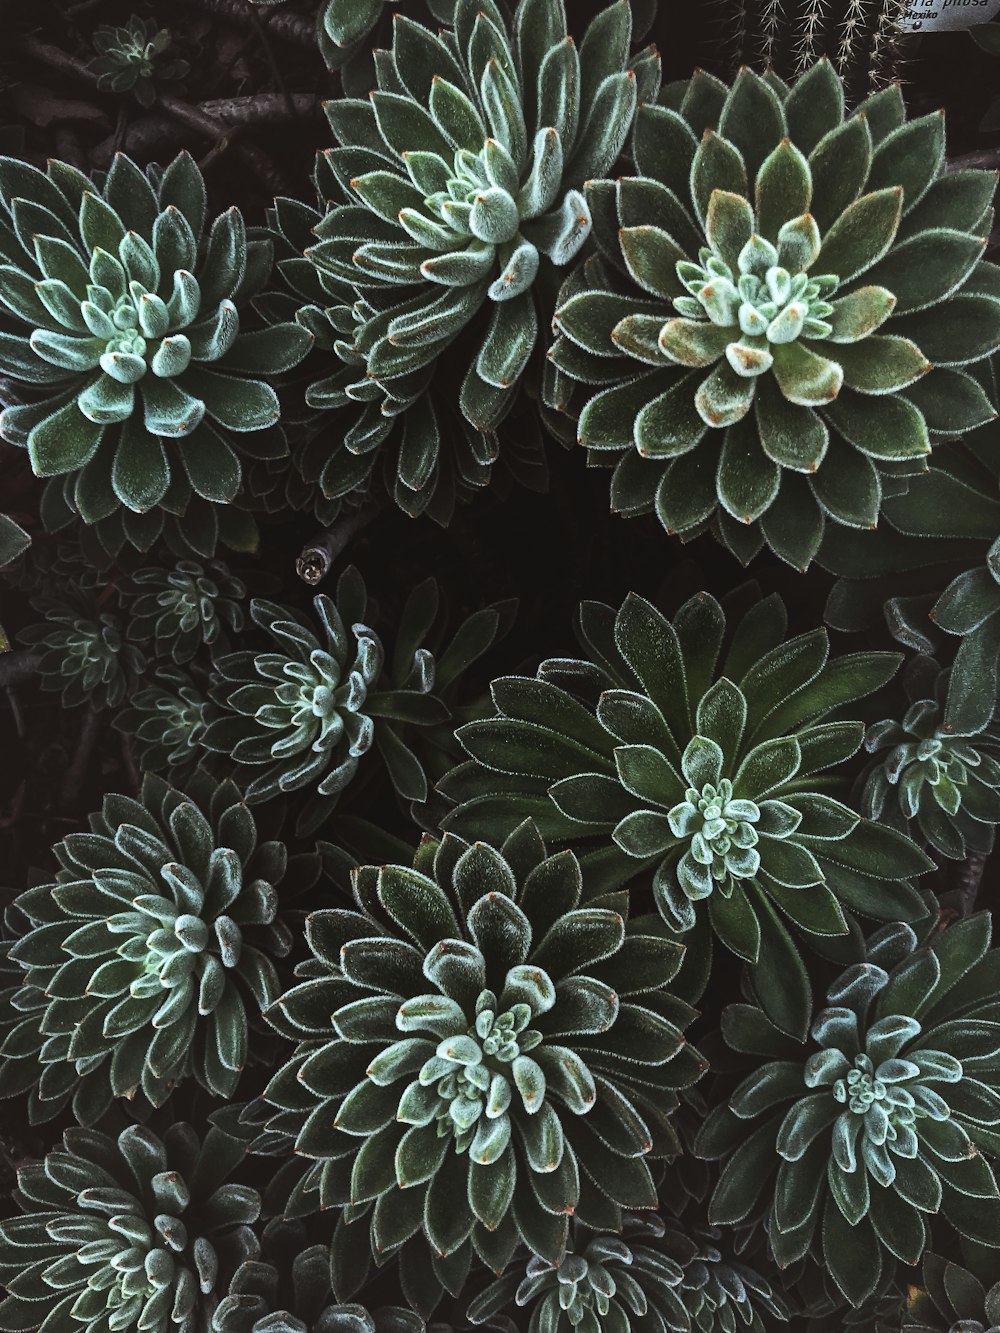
[(967, 878), (17, 667), (56, 59), (90, 729), (316, 558)]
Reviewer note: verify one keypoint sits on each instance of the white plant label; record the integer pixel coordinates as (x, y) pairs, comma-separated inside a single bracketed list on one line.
[(947, 15)]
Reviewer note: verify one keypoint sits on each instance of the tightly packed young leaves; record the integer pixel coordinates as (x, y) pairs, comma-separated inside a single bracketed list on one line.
[(138, 1232), (312, 709), (700, 752), (84, 653), (129, 58), (465, 173), (656, 1274), (482, 1053), (942, 788), (771, 291), (166, 720), (183, 609), (845, 1148), (143, 957), (121, 316)]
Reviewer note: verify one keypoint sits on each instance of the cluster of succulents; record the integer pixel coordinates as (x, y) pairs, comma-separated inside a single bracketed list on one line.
[(414, 969), (701, 753)]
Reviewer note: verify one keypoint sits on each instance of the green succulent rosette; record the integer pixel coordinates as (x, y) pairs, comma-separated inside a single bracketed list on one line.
[(481, 1053), (409, 440), (138, 1232), (84, 652), (941, 788), (846, 1147), (180, 610), (120, 315), (702, 752), (147, 959), (305, 712), (657, 1274), (130, 58), (166, 720), (464, 173), (752, 346)]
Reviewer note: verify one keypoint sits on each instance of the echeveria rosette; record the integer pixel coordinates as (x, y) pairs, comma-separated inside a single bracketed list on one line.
[(166, 720), (409, 439), (185, 608), (704, 753), (84, 653), (146, 960), (942, 788), (481, 1054), (287, 1289), (657, 1274), (120, 314), (138, 1232), (311, 707), (129, 58), (465, 173), (752, 345), (847, 1146)]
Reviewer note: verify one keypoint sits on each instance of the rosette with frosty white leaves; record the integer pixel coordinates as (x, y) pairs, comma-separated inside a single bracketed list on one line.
[(939, 786), (120, 317), (465, 174), (784, 312), (703, 752), (136, 1234), (846, 1149), (146, 958), (481, 1053), (660, 1272)]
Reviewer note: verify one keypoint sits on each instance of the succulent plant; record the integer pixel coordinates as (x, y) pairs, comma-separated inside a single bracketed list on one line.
[(935, 564), (121, 317), (703, 753), (845, 1148), (941, 788), (146, 959), (310, 707), (287, 1290), (752, 346), (464, 174), (166, 719), (182, 609), (947, 1298), (409, 439), (615, 1282), (481, 1053), (129, 58), (83, 651), (127, 1233)]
